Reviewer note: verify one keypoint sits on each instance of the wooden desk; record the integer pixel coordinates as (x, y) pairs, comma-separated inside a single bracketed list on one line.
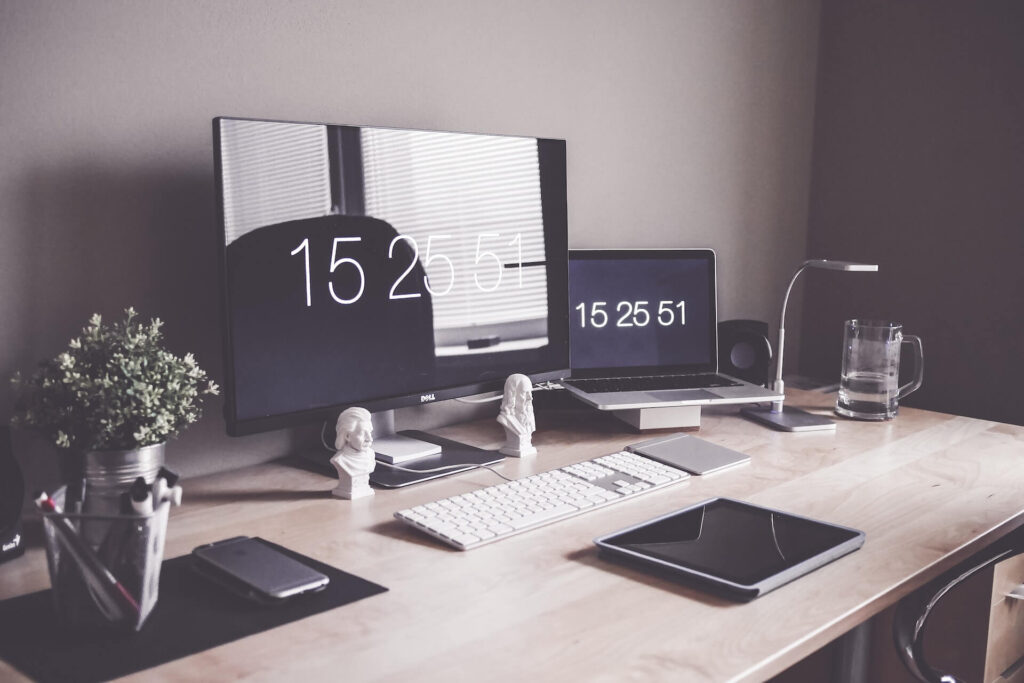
[(928, 489)]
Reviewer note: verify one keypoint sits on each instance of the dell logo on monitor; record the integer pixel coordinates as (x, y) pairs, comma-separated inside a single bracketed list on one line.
[(426, 398)]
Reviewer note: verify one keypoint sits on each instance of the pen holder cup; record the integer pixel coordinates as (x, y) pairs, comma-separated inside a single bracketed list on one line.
[(110, 582)]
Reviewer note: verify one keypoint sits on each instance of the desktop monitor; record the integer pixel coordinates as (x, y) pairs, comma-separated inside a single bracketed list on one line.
[(383, 267)]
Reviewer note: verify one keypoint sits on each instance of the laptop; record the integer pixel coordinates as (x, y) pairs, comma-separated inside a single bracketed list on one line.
[(644, 331)]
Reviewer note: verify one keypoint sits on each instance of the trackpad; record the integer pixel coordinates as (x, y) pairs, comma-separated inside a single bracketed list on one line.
[(681, 395)]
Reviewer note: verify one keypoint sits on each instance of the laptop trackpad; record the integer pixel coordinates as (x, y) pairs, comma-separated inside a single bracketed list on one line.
[(681, 395)]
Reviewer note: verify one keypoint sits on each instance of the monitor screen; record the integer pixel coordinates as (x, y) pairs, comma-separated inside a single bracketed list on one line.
[(382, 267), (642, 311)]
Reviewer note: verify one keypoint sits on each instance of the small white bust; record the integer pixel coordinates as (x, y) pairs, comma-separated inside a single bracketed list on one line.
[(516, 416), (355, 458)]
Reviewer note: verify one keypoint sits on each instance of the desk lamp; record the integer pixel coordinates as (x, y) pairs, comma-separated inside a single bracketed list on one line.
[(795, 419)]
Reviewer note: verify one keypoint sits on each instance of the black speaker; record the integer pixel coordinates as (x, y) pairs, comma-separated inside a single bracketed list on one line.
[(12, 496), (744, 350)]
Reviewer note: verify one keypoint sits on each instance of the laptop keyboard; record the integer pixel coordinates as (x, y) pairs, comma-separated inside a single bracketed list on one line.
[(651, 383)]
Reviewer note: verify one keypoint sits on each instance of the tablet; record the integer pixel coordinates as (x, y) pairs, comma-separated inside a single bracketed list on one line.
[(732, 547)]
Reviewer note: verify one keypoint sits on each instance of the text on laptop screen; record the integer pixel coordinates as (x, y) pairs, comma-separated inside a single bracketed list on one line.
[(643, 311)]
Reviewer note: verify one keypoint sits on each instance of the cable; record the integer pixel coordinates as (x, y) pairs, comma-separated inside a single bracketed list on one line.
[(489, 399), (540, 386), (465, 466), (323, 437)]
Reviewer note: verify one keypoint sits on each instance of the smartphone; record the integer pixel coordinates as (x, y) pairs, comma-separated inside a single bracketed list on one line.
[(257, 569)]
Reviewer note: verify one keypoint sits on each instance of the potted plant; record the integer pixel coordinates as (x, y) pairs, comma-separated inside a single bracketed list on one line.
[(111, 401)]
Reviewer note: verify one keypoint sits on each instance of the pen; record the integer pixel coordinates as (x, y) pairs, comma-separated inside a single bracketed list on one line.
[(139, 497), (165, 488), (170, 477), (114, 597), (159, 492)]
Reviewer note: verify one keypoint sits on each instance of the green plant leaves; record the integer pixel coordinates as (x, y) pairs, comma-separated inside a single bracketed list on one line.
[(115, 387)]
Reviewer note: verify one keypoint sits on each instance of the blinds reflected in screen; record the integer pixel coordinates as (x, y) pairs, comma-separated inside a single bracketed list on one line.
[(272, 173), (385, 268), (473, 206)]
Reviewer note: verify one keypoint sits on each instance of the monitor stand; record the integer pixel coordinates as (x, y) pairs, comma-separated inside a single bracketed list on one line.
[(419, 453)]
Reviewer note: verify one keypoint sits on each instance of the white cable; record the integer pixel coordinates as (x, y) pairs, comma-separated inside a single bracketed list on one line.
[(489, 399), (540, 386), (323, 437)]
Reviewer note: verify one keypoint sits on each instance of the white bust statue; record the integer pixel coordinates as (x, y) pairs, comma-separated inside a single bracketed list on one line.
[(516, 416), (354, 459)]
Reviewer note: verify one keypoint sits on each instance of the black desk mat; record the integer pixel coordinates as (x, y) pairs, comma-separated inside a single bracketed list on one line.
[(192, 614), (452, 453)]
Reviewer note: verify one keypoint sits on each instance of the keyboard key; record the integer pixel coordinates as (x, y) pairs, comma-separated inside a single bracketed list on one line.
[(541, 517)]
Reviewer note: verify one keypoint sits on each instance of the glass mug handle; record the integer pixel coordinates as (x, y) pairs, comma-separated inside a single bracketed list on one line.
[(914, 384)]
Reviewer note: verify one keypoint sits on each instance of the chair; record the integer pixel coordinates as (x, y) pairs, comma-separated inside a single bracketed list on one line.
[(913, 611)]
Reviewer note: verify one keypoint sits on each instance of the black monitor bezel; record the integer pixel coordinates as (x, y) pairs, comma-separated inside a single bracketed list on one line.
[(640, 254), (554, 244)]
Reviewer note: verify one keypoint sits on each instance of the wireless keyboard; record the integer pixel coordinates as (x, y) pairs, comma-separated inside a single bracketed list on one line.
[(495, 512)]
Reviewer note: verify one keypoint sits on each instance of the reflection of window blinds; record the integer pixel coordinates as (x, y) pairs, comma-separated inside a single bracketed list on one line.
[(272, 172), (485, 193)]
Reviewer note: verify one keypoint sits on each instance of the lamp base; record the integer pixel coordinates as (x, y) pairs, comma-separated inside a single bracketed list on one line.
[(789, 419)]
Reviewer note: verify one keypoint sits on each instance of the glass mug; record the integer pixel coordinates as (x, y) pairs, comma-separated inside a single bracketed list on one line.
[(869, 386)]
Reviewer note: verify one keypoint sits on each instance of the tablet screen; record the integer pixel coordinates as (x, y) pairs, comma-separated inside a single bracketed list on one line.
[(730, 540)]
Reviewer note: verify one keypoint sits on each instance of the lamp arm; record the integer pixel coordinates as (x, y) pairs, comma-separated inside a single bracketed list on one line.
[(779, 385)]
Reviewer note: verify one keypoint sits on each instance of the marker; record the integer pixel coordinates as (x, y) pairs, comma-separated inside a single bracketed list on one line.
[(165, 488), (170, 477), (104, 586), (139, 497)]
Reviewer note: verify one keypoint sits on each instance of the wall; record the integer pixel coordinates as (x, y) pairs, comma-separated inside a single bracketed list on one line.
[(688, 124), (919, 167)]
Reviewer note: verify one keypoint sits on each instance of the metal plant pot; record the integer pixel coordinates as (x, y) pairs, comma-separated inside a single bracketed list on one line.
[(108, 474)]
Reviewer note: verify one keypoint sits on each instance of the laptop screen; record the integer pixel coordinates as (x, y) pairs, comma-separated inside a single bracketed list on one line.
[(642, 311)]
